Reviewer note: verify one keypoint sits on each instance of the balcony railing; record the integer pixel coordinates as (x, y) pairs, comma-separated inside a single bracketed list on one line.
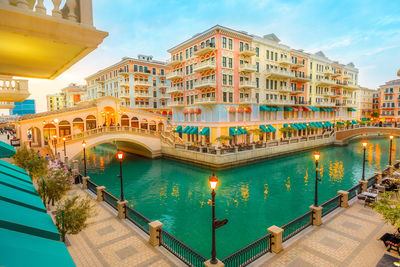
[(205, 83), (298, 64), (279, 101), (140, 72), (279, 73), (142, 94), (247, 51), (304, 78), (143, 83), (174, 61), (124, 83), (247, 84), (285, 61), (173, 75), (174, 89), (285, 89), (205, 49), (247, 100), (163, 85), (205, 100), (246, 67), (7, 105), (175, 103), (326, 81), (204, 66), (328, 71), (124, 94), (13, 90)]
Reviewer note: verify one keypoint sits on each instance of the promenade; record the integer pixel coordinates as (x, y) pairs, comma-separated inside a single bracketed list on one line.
[(347, 237)]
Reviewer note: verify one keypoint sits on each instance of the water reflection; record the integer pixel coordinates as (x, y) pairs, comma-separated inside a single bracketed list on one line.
[(265, 191), (306, 178), (336, 171), (287, 184)]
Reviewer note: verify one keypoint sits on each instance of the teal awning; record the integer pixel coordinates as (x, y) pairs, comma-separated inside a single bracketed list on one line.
[(278, 109), (351, 109), (6, 150), (15, 174), (314, 108), (287, 108), (242, 130), (354, 122), (265, 108), (296, 126), (185, 131), (271, 128), (21, 198), (178, 129), (205, 131), (13, 167), (339, 122), (194, 130), (233, 131), (263, 129), (365, 119)]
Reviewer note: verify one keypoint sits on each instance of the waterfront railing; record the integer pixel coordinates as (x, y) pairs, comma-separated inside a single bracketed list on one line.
[(110, 199), (331, 205), (297, 225), (138, 219)]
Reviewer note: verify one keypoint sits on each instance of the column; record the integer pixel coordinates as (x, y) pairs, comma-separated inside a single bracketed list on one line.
[(154, 239), (345, 198), (100, 190), (317, 215), (84, 182), (121, 209), (276, 238)]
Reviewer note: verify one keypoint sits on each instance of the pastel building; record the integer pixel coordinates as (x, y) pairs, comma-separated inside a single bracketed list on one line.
[(69, 96), (226, 82), (365, 102), (389, 100), (137, 83)]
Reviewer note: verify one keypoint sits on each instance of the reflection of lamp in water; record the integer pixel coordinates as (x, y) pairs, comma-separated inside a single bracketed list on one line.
[(84, 156), (316, 158), (364, 144), (390, 150)]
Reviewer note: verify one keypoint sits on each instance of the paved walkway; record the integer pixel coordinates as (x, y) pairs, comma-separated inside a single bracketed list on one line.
[(109, 241), (346, 238)]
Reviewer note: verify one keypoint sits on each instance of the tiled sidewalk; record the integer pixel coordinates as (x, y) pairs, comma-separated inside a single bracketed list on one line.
[(346, 238), (109, 241)]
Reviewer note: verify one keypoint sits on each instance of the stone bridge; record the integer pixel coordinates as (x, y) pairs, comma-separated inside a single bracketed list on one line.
[(130, 139), (342, 137)]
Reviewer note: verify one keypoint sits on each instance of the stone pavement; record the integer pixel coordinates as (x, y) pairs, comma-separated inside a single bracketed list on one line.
[(109, 241), (347, 237)]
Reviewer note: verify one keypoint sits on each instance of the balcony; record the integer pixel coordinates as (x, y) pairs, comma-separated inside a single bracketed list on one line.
[(350, 85), (297, 91), (247, 100), (247, 84), (327, 82), (297, 64), (205, 84), (175, 103), (347, 95), (163, 96), (336, 73), (246, 67), (13, 90), (124, 83), (305, 78), (205, 49), (174, 62), (277, 73), (346, 77), (40, 45), (143, 94), (325, 104), (174, 89), (205, 100), (204, 66), (164, 85), (279, 102), (285, 61), (173, 75), (138, 72), (147, 105), (285, 89), (328, 94), (144, 83), (124, 94), (7, 105), (247, 51), (328, 71)]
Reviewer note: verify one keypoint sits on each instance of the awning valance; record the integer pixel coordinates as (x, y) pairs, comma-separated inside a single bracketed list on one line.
[(178, 129), (271, 128), (205, 131)]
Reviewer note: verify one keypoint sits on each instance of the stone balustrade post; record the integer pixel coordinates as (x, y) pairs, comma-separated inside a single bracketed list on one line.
[(364, 185), (236, 149), (218, 264), (390, 168), (218, 152), (378, 177), (317, 215), (22, 4), (100, 190), (154, 239), (84, 182), (344, 202), (121, 209), (276, 238)]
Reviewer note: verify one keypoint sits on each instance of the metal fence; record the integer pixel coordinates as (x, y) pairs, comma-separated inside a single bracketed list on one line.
[(138, 219), (249, 253), (354, 191), (181, 250), (331, 205), (110, 199), (92, 187), (372, 181), (296, 226)]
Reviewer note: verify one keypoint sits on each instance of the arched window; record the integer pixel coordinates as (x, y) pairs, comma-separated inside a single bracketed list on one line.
[(152, 126), (124, 120), (90, 122), (64, 128), (135, 122), (78, 125), (144, 124)]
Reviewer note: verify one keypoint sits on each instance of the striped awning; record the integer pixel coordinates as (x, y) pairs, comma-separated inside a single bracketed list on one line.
[(178, 129), (6, 150), (205, 131)]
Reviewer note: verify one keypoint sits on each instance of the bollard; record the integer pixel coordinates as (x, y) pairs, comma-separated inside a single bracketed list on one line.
[(100, 190), (121, 209), (344, 203), (364, 185), (154, 239), (84, 182), (317, 215), (218, 264), (276, 238), (378, 177)]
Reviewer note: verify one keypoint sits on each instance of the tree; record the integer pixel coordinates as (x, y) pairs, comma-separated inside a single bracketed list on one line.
[(223, 138), (28, 159), (57, 184), (76, 213), (287, 130), (375, 115), (389, 207)]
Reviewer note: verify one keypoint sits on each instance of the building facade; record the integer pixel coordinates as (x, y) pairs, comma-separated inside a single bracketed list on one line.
[(389, 101), (25, 107), (69, 96), (365, 102), (228, 83), (137, 82)]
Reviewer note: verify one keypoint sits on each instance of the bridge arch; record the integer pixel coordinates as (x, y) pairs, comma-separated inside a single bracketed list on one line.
[(342, 137)]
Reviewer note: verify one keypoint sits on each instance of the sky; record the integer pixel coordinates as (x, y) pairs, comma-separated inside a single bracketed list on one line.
[(364, 32)]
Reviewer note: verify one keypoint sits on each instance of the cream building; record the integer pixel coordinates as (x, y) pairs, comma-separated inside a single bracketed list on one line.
[(70, 96), (364, 102)]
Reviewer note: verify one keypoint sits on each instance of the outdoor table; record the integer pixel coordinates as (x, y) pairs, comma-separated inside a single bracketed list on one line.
[(370, 195)]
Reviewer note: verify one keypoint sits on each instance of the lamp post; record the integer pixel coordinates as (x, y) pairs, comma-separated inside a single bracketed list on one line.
[(120, 157), (364, 144), (55, 144), (65, 151), (213, 180), (84, 156), (390, 150), (316, 157)]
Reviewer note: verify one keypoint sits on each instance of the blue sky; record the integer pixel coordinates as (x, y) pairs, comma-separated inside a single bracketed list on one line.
[(364, 32)]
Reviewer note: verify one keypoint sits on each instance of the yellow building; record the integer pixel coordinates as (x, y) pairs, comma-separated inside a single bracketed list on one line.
[(69, 97), (365, 102)]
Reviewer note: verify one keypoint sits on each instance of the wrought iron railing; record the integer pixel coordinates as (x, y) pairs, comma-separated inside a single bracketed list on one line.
[(372, 181), (354, 191), (185, 253), (138, 219), (92, 187), (331, 205), (110, 199), (297, 225), (249, 253)]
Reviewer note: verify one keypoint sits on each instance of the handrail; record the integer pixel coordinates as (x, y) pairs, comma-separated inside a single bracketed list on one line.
[(110, 199), (331, 205), (138, 219), (92, 187), (297, 225)]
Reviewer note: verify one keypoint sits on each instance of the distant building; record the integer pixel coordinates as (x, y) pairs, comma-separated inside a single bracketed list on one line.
[(25, 107), (69, 97), (389, 96), (365, 102)]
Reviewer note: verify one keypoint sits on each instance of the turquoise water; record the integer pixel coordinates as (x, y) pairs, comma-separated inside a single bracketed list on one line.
[(251, 197)]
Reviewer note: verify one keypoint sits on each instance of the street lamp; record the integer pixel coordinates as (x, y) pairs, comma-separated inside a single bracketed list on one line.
[(213, 180), (84, 156), (120, 157), (55, 144), (364, 144), (316, 157), (390, 150), (65, 151)]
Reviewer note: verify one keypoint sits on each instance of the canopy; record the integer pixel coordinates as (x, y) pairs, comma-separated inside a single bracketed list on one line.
[(314, 108), (242, 131), (205, 131), (263, 129), (306, 109), (6, 150), (271, 128), (13, 167), (354, 122), (194, 130), (286, 108), (185, 131), (365, 119), (351, 109), (339, 122), (233, 131), (178, 129)]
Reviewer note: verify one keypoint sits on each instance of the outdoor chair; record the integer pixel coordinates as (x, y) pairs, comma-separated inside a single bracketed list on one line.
[(393, 243)]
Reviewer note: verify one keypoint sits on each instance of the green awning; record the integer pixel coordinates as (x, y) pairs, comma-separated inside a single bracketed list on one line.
[(185, 131), (265, 108), (15, 174), (13, 167), (205, 131), (178, 129), (339, 122), (285, 125), (6, 150), (263, 129), (242, 130), (278, 109), (21, 198), (296, 126), (314, 108), (365, 119), (287, 108), (354, 122), (233, 131), (271, 128), (351, 109), (194, 130)]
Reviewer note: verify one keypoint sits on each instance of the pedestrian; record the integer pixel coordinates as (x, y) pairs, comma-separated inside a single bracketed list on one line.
[(38, 153), (47, 157)]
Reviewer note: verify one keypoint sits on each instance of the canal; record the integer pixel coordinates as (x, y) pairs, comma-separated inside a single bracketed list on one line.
[(251, 197)]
